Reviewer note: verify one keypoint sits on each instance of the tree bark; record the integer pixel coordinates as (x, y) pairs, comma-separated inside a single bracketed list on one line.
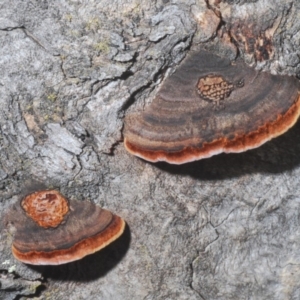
[(221, 228)]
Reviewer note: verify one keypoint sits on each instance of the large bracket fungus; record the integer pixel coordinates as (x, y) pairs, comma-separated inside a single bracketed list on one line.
[(51, 230), (211, 105)]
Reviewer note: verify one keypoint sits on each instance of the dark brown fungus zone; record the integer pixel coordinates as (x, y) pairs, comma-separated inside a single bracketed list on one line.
[(51, 230), (209, 106)]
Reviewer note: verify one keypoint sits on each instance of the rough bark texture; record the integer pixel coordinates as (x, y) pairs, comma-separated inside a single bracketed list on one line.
[(221, 228)]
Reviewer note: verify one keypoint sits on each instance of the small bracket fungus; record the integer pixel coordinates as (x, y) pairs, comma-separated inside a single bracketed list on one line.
[(51, 230), (181, 124)]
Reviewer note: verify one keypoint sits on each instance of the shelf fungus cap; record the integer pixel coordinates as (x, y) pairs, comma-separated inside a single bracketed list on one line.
[(209, 106), (51, 230)]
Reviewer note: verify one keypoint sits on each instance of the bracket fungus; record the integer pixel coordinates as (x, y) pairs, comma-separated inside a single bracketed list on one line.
[(211, 105), (51, 230)]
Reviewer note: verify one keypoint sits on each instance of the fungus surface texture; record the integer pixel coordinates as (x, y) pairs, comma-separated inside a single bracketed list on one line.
[(51, 230), (211, 105)]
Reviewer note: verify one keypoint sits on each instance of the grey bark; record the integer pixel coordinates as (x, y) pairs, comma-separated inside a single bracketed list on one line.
[(222, 228)]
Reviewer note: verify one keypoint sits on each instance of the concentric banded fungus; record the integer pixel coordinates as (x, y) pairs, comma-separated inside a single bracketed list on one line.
[(51, 230), (209, 106)]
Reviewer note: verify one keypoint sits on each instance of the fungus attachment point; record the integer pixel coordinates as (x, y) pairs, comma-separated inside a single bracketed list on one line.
[(214, 88), (181, 124), (51, 230), (46, 208)]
